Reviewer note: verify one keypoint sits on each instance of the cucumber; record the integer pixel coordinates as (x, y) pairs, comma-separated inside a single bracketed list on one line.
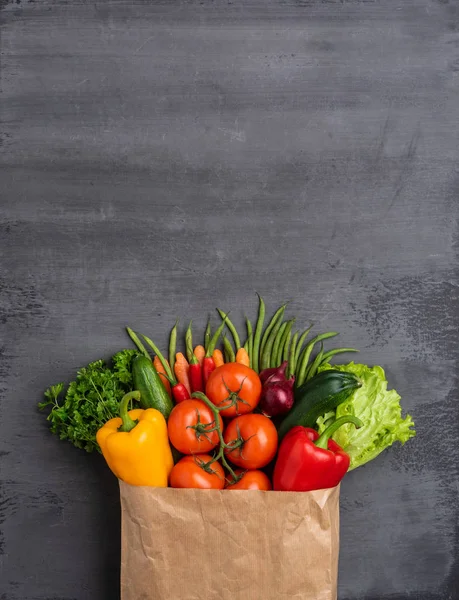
[(323, 393), (146, 380)]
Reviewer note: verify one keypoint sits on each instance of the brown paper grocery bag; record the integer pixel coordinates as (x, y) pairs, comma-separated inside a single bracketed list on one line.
[(186, 544)]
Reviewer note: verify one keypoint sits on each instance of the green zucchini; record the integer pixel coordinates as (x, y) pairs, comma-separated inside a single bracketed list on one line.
[(153, 394), (321, 394)]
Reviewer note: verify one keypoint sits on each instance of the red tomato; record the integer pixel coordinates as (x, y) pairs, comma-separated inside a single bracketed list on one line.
[(234, 383), (251, 480), (255, 441), (189, 473), (188, 427)]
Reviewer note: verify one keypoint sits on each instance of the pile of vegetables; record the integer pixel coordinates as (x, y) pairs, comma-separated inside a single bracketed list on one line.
[(269, 413)]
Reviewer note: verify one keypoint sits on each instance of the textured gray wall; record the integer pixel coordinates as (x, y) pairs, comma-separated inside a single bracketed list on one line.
[(163, 158)]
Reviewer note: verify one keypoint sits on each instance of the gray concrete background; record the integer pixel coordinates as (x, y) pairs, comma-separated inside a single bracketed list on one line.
[(163, 158)]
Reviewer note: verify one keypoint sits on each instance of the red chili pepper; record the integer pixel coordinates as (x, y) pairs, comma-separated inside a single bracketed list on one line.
[(307, 461), (195, 366), (208, 363), (180, 392)]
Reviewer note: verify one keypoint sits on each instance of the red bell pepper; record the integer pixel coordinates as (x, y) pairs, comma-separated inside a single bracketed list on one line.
[(307, 461)]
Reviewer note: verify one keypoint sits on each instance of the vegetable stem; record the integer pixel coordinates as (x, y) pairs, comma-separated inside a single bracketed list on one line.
[(322, 441), (127, 423)]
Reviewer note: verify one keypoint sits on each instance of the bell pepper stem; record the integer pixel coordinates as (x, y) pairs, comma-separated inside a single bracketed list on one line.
[(322, 441), (127, 423)]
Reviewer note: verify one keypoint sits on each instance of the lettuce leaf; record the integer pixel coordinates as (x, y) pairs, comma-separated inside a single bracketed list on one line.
[(378, 408)]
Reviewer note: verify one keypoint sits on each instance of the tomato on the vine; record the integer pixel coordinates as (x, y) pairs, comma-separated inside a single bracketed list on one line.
[(190, 426), (252, 440), (251, 480), (196, 472), (236, 386)]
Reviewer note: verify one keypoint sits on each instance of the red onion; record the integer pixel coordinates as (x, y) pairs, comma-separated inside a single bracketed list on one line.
[(278, 373), (277, 396)]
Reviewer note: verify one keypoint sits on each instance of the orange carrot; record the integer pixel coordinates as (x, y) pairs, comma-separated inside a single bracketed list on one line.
[(217, 355), (242, 357), (200, 352), (160, 369), (182, 371)]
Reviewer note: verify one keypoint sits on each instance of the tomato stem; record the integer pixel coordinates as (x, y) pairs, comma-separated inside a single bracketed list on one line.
[(216, 410)]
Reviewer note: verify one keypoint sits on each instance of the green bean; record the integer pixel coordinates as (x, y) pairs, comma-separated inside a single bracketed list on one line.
[(303, 336), (160, 355), (331, 353), (207, 335), (228, 349), (291, 358), (286, 345), (303, 361), (226, 355), (246, 346), (137, 342), (311, 371), (189, 343), (277, 317), (249, 340), (173, 345), (213, 341), (232, 328), (257, 335), (267, 350), (250, 349), (276, 344)]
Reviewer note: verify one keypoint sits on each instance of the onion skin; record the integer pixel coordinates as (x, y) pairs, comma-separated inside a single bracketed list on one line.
[(274, 374), (277, 396)]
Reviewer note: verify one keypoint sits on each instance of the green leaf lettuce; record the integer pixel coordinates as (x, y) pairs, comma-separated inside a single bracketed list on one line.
[(377, 407)]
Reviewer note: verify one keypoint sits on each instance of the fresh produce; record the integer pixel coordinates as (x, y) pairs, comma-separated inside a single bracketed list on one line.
[(182, 371), (147, 381), (377, 407), (191, 427), (277, 397), (89, 401), (277, 392), (251, 441), (234, 388), (208, 363), (179, 390), (195, 370), (242, 357), (163, 375), (307, 461), (319, 396), (227, 408), (250, 480), (198, 471), (136, 446)]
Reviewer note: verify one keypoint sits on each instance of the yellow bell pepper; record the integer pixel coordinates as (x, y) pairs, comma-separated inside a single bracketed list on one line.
[(136, 446)]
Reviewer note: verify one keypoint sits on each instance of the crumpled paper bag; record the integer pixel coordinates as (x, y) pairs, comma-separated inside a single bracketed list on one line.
[(187, 544)]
